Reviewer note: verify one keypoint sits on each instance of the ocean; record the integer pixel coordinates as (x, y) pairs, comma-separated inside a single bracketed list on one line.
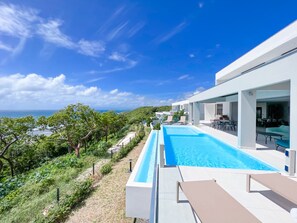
[(36, 113)]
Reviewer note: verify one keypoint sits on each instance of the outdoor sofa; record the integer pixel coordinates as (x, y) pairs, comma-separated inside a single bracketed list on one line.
[(283, 130)]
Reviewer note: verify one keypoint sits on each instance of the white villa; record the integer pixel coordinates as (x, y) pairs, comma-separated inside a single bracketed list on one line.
[(259, 86), (180, 105), (256, 93)]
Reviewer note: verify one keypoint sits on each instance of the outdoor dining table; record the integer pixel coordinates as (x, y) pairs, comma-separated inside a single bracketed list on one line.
[(267, 134)]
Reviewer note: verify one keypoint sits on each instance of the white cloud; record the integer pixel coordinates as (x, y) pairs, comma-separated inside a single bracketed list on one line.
[(89, 91), (117, 31), (184, 77), (5, 47), (187, 95), (91, 48), (16, 21), (129, 64), (172, 33), (51, 33), (135, 29), (23, 23), (123, 94), (95, 79), (198, 90), (126, 64), (191, 55), (117, 57), (34, 91), (114, 91)]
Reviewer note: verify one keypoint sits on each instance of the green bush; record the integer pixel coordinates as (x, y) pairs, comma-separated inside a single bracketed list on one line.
[(126, 149), (157, 126), (9, 184), (106, 169), (69, 160), (60, 212), (44, 185), (102, 148)]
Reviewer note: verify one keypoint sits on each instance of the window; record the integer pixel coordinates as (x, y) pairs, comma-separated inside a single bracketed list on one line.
[(219, 109)]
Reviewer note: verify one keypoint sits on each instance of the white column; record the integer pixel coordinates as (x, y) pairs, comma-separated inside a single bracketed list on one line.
[(196, 113), (190, 112), (247, 119), (293, 115)]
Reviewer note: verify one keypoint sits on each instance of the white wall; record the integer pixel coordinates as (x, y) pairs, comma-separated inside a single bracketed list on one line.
[(138, 200), (209, 111), (226, 109)]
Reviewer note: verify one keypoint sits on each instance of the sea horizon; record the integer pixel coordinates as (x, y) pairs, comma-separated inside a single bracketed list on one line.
[(43, 112)]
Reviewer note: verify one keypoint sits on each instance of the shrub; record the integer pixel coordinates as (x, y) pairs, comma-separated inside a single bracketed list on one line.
[(68, 161), (157, 126), (106, 169), (44, 185), (126, 149), (102, 148), (60, 212)]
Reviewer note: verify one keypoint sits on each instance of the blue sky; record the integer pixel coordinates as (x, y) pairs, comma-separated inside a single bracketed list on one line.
[(125, 54)]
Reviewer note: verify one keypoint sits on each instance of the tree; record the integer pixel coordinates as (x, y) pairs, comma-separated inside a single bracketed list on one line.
[(74, 124), (107, 120), (13, 130)]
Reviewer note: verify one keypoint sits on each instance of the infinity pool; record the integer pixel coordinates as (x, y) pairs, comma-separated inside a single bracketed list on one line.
[(145, 172), (186, 146)]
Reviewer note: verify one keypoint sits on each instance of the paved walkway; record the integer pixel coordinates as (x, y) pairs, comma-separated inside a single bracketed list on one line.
[(124, 141), (169, 209)]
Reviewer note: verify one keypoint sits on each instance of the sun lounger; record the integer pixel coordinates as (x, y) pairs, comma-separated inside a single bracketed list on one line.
[(213, 204), (169, 120), (282, 143), (182, 120), (279, 184)]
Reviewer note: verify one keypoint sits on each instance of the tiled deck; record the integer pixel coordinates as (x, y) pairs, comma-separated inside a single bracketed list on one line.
[(261, 202)]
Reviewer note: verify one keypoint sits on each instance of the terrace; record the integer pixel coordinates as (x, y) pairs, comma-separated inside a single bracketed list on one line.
[(251, 91)]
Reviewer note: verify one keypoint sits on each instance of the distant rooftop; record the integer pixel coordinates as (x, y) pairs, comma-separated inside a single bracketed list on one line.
[(180, 103)]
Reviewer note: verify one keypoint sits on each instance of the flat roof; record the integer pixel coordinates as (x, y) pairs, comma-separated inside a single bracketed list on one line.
[(180, 103), (277, 45)]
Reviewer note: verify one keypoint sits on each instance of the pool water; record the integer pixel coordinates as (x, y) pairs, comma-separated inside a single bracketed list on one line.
[(145, 172), (186, 146)]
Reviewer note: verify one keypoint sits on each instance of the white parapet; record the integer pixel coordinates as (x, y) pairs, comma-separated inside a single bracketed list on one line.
[(138, 194), (138, 199)]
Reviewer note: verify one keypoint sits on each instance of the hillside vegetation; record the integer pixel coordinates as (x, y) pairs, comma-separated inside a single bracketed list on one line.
[(144, 113), (34, 167)]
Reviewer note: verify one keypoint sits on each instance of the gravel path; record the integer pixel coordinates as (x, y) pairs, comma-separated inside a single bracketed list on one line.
[(107, 202)]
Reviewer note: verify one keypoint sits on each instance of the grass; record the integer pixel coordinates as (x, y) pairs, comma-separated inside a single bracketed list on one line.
[(38, 194), (32, 198), (107, 202)]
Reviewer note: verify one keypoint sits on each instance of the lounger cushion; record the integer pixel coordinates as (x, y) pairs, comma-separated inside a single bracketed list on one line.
[(283, 143), (213, 204)]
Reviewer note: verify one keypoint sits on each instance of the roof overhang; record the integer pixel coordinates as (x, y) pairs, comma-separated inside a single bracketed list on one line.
[(276, 46)]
